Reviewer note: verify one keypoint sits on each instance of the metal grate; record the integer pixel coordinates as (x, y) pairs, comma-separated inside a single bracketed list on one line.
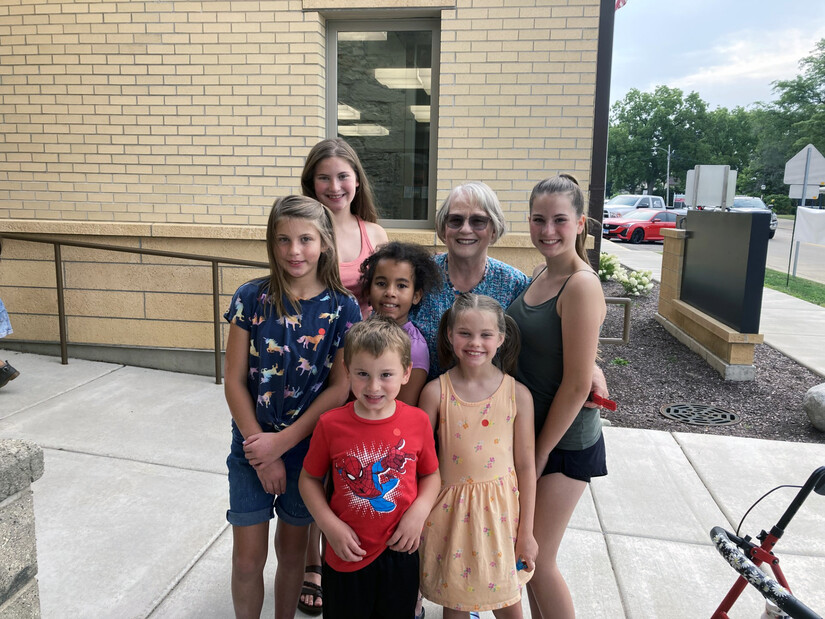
[(699, 414)]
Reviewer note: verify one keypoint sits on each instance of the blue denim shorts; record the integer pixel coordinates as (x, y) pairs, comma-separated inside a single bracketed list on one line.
[(249, 503), (5, 323)]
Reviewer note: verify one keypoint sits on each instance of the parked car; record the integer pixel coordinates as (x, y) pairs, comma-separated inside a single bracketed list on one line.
[(748, 204), (621, 204), (679, 201), (640, 225)]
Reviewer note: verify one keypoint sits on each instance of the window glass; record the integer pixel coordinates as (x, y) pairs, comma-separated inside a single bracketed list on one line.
[(643, 203), (384, 109), (622, 201)]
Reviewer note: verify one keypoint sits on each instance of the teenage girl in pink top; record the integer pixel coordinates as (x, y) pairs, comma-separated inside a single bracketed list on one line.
[(333, 175)]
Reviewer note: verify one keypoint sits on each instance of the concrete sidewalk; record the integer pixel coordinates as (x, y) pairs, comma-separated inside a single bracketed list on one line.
[(130, 511), (792, 326)]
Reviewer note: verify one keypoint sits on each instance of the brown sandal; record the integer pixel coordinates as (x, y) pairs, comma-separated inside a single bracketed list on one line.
[(310, 588)]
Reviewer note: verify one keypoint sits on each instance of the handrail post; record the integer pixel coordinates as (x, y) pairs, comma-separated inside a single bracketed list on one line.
[(216, 318), (61, 306)]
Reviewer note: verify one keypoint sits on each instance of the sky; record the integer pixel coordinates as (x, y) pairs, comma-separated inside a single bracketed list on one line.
[(728, 51)]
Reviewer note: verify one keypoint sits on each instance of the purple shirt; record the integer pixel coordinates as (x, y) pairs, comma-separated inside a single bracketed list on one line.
[(420, 354), (501, 281)]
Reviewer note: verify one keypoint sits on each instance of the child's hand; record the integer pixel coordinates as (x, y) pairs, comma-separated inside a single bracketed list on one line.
[(407, 535), (527, 549), (598, 386), (264, 448), (273, 476), (344, 541)]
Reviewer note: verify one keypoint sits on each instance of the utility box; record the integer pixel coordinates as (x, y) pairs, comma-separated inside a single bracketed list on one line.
[(710, 186)]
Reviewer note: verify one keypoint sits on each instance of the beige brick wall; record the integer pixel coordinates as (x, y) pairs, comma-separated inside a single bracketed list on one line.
[(518, 82), (178, 112), (202, 112), (122, 299)]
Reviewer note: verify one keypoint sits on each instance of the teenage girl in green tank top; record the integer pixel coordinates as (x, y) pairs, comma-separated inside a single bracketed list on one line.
[(561, 311)]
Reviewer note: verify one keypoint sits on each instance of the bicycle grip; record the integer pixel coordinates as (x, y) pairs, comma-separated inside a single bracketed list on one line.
[(766, 585)]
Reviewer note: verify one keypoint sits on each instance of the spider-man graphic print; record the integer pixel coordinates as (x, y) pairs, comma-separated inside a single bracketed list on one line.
[(369, 486), (374, 465)]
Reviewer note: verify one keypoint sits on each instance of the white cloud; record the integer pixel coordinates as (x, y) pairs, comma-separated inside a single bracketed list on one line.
[(727, 53), (750, 61)]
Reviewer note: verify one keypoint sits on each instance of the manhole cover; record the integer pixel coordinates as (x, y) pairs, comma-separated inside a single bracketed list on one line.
[(699, 414)]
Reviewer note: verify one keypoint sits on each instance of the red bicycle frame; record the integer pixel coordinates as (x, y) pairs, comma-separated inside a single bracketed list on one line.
[(764, 552)]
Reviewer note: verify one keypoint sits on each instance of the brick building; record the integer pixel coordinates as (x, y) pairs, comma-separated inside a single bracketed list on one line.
[(176, 124)]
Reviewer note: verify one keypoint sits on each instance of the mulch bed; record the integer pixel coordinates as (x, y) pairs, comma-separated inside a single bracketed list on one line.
[(655, 370)]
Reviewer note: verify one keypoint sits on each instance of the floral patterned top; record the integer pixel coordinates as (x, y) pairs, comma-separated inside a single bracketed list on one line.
[(500, 281)]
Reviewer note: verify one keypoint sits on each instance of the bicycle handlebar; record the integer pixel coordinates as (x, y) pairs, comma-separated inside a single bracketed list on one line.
[(766, 585)]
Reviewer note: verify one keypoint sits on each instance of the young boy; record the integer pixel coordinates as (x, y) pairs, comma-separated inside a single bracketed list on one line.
[(384, 476)]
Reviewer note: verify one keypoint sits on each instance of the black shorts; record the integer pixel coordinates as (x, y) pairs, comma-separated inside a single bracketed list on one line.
[(579, 464), (387, 588)]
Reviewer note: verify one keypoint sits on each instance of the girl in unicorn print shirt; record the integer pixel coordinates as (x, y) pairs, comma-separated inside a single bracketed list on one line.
[(284, 367)]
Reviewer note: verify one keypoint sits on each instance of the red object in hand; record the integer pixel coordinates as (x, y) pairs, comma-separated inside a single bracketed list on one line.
[(602, 402)]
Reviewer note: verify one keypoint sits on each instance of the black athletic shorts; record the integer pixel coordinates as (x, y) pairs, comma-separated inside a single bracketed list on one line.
[(387, 588), (580, 463)]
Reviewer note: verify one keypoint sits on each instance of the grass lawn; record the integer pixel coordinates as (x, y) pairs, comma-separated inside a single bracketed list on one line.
[(791, 217), (804, 289)]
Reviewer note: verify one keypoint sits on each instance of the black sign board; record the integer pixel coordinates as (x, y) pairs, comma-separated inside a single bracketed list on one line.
[(724, 266)]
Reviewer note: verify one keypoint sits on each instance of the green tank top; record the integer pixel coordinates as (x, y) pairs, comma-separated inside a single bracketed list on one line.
[(540, 368)]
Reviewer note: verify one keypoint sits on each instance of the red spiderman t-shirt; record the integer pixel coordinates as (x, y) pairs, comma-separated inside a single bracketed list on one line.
[(375, 467)]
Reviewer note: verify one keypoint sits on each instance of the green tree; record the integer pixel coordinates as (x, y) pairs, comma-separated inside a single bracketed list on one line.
[(795, 119), (642, 126)]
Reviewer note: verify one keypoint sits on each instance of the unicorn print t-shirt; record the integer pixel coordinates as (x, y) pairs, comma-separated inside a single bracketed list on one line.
[(290, 356)]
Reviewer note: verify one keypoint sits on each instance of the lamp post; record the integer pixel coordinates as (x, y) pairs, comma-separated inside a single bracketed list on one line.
[(667, 174)]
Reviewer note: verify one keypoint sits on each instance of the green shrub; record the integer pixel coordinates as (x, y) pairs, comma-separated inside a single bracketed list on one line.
[(636, 283), (609, 267), (780, 203)]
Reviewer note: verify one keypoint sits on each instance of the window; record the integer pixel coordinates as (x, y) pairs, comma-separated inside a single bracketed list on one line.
[(382, 98), (643, 203)]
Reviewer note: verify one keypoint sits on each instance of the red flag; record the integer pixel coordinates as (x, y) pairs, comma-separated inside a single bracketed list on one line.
[(620, 4)]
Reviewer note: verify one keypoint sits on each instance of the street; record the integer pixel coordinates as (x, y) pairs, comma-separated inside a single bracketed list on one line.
[(811, 263)]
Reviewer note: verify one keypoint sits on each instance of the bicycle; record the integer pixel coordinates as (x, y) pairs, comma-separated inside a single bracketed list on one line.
[(746, 557)]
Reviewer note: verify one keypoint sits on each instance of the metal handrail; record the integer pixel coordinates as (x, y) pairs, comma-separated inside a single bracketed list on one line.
[(57, 243), (626, 326), (216, 308)]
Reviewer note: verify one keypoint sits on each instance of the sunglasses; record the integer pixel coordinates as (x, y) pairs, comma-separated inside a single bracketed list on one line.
[(477, 222)]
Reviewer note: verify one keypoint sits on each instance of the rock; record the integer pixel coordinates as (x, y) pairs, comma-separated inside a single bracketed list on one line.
[(814, 405)]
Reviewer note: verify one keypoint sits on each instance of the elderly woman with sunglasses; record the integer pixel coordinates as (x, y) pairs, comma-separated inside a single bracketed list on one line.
[(468, 222)]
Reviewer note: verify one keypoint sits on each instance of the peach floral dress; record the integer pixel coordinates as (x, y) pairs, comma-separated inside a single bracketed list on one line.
[(467, 550)]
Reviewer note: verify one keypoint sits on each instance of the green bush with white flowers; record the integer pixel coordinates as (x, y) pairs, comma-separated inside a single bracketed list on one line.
[(609, 267), (635, 283)]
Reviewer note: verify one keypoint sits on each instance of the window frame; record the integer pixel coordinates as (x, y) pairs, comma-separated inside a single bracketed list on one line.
[(398, 25)]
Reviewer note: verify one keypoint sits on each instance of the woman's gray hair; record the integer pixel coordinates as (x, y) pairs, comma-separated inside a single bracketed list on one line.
[(479, 194)]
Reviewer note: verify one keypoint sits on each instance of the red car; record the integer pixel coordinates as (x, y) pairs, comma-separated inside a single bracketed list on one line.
[(643, 224)]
